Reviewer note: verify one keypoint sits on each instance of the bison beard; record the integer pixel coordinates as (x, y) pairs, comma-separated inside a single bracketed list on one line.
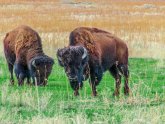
[(105, 52), (76, 70), (23, 51)]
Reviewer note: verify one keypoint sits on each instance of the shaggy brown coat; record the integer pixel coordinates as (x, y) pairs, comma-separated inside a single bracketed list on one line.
[(105, 51), (21, 45), (24, 42), (100, 43)]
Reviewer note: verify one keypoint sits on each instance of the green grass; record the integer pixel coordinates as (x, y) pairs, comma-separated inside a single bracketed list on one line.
[(55, 103)]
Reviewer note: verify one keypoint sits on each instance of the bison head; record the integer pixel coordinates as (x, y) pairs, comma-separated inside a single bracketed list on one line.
[(74, 59), (40, 68)]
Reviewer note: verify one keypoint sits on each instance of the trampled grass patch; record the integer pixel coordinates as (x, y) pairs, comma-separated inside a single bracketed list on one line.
[(55, 103)]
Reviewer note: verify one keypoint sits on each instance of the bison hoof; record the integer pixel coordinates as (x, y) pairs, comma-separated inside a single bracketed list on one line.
[(116, 93), (11, 82), (94, 93), (76, 93), (126, 92)]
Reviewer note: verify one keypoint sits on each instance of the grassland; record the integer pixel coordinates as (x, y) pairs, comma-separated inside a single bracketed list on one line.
[(140, 23), (55, 103)]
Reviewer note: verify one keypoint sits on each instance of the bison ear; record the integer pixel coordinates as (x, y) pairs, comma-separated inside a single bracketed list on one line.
[(34, 63), (59, 54), (84, 53)]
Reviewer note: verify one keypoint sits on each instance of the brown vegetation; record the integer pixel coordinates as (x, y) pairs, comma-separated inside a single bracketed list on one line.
[(134, 21)]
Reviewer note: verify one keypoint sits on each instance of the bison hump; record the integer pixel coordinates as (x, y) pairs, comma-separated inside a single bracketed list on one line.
[(25, 39), (85, 38)]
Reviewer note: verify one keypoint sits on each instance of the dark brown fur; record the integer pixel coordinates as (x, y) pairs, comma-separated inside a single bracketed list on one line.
[(106, 51), (21, 45)]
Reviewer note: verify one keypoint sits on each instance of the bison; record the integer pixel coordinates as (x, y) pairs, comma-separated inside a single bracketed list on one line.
[(90, 53), (23, 52)]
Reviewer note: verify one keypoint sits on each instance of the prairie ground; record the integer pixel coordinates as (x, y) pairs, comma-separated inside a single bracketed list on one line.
[(139, 23)]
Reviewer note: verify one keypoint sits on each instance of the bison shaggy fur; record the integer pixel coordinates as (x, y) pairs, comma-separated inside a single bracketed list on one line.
[(23, 52), (105, 52)]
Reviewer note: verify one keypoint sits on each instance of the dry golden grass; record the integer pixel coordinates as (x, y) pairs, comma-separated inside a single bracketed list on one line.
[(140, 23)]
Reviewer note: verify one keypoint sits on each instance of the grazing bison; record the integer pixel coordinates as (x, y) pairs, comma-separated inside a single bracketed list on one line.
[(23, 51), (92, 51)]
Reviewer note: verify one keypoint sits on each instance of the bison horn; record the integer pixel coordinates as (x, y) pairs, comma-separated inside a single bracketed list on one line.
[(59, 58), (59, 54), (85, 53), (33, 63)]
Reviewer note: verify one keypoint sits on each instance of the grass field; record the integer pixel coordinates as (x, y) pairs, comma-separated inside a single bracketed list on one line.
[(140, 23), (55, 103)]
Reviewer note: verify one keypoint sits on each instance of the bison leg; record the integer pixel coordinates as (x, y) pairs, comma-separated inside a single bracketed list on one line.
[(76, 93), (113, 70), (94, 92), (75, 87), (10, 66), (93, 82), (118, 83), (28, 80), (126, 75), (96, 74), (124, 70), (126, 87)]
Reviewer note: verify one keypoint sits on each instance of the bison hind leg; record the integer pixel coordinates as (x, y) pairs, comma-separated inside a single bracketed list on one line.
[(115, 73), (125, 72)]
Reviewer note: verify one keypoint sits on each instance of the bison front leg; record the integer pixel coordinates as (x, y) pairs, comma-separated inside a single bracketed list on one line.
[(28, 80), (96, 74), (93, 82), (75, 87), (10, 66), (76, 93), (94, 91)]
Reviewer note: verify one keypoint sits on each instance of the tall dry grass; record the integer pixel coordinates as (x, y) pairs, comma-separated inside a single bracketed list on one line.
[(140, 23)]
